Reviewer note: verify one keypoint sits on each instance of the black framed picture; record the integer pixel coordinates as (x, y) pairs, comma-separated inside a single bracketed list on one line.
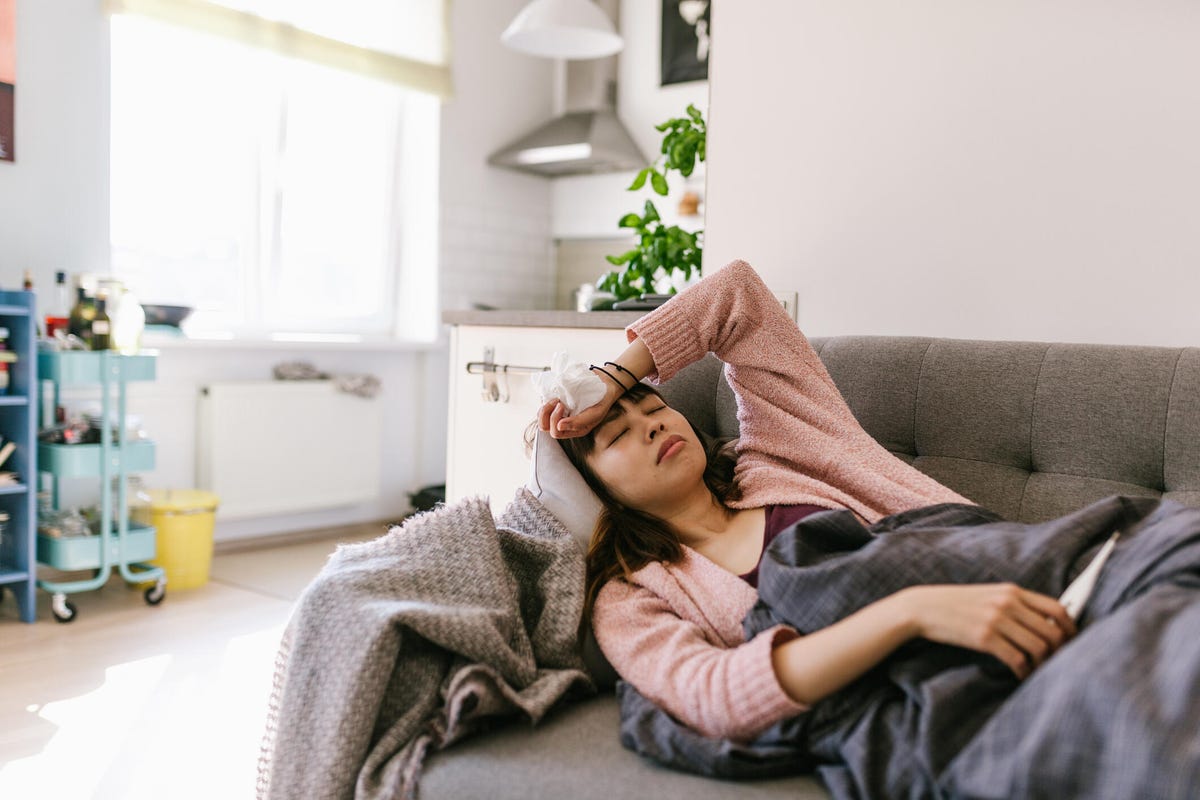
[(686, 34)]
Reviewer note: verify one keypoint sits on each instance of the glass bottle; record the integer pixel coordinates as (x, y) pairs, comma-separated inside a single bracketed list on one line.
[(80, 321), (58, 316), (27, 285), (62, 304), (101, 326)]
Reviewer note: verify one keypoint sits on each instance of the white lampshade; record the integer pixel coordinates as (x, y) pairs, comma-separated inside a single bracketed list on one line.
[(571, 29)]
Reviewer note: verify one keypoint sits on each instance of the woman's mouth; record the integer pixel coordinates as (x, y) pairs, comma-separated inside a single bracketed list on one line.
[(670, 447)]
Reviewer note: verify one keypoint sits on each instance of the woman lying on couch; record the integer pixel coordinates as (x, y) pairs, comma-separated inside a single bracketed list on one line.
[(673, 563)]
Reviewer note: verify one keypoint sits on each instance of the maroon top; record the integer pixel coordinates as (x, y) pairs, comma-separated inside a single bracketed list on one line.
[(778, 518)]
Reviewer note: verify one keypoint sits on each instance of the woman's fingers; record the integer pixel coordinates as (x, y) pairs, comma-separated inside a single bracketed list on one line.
[(1010, 656), (1035, 625), (1032, 648), (544, 414), (1037, 619), (556, 416), (1050, 608)]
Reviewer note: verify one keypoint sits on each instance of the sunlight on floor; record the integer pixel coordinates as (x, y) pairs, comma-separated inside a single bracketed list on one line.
[(177, 726), (131, 702)]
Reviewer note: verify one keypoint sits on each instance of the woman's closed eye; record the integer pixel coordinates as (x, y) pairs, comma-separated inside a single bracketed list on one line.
[(613, 440)]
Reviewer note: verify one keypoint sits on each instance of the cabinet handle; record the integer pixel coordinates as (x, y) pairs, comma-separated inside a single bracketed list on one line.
[(488, 368)]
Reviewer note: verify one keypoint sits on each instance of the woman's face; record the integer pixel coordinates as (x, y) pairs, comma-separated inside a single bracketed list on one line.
[(647, 454)]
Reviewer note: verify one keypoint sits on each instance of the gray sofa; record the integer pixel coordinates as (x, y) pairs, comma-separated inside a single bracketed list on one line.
[(1029, 430)]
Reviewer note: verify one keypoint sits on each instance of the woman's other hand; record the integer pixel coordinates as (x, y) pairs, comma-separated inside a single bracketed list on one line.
[(1020, 627)]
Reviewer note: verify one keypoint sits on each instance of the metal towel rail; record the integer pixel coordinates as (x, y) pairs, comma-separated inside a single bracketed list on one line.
[(488, 368)]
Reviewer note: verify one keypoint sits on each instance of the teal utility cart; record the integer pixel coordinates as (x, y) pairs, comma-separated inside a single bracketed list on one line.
[(121, 544)]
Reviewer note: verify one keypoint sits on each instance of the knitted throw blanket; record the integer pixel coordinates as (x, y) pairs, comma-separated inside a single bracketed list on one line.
[(406, 643)]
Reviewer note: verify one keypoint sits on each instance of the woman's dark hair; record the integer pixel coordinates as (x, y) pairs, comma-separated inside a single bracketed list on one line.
[(626, 539)]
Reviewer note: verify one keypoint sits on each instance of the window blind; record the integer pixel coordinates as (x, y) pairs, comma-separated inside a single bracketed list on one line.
[(405, 42)]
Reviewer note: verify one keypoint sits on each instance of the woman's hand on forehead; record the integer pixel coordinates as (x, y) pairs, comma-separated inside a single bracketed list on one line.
[(553, 418)]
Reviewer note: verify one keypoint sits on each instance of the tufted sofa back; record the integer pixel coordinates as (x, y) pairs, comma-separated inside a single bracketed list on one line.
[(1028, 429)]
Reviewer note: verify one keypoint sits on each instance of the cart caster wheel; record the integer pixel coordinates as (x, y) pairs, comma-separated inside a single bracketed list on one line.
[(155, 594), (62, 608)]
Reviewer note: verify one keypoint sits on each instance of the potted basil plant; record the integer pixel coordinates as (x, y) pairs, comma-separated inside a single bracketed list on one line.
[(665, 256)]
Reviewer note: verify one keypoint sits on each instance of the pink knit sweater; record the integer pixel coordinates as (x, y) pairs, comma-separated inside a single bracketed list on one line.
[(674, 630)]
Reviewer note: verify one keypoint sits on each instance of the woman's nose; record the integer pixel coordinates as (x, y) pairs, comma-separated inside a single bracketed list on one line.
[(654, 430)]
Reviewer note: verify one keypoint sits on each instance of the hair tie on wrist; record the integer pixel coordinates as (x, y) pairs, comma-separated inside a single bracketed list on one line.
[(610, 377), (622, 369)]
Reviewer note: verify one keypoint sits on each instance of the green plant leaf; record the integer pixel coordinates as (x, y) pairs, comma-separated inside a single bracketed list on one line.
[(687, 161), (658, 183), (695, 114), (677, 154), (621, 259), (640, 180), (651, 213), (630, 220)]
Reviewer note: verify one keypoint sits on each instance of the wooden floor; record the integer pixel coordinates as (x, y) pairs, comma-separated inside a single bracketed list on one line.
[(130, 701)]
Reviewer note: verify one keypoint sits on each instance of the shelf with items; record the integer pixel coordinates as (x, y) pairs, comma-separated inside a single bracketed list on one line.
[(90, 367), (70, 553), (18, 426), (120, 543), (84, 460)]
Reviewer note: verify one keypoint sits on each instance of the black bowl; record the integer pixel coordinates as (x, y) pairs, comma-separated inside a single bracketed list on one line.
[(166, 315)]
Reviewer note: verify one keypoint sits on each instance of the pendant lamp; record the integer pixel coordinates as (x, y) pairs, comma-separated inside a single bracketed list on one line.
[(569, 29)]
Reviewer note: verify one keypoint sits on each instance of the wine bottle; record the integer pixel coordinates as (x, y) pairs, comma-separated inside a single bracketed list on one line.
[(80, 321), (101, 326)]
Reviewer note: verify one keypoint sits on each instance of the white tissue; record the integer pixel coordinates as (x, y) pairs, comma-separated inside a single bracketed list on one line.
[(571, 382)]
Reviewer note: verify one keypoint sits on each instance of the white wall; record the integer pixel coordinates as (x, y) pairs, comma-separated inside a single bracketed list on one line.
[(1015, 170), (495, 222), (54, 197), (588, 206), (494, 230)]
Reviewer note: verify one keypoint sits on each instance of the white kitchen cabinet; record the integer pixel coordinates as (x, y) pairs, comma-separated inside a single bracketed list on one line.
[(486, 441)]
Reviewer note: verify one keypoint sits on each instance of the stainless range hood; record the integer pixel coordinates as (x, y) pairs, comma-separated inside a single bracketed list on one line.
[(587, 138), (574, 144)]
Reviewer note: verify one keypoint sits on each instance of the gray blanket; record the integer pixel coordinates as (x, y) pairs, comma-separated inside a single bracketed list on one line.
[(1114, 714), (406, 643)]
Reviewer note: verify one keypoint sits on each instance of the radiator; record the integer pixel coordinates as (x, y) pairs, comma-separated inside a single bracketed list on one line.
[(275, 447)]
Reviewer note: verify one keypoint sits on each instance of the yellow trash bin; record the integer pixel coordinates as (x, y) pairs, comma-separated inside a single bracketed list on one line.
[(184, 520)]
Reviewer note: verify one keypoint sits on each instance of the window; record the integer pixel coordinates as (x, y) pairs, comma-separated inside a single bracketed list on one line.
[(274, 195)]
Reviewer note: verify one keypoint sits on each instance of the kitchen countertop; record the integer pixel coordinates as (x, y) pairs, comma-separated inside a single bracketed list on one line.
[(543, 319)]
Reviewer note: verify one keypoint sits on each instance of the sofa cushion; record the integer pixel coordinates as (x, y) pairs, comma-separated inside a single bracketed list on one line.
[(1101, 412), (1181, 454), (576, 752), (878, 377)]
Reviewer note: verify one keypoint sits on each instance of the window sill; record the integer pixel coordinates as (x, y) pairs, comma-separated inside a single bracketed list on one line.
[(247, 343)]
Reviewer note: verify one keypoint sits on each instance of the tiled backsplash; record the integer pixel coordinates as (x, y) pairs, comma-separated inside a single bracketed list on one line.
[(582, 261), (500, 256)]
